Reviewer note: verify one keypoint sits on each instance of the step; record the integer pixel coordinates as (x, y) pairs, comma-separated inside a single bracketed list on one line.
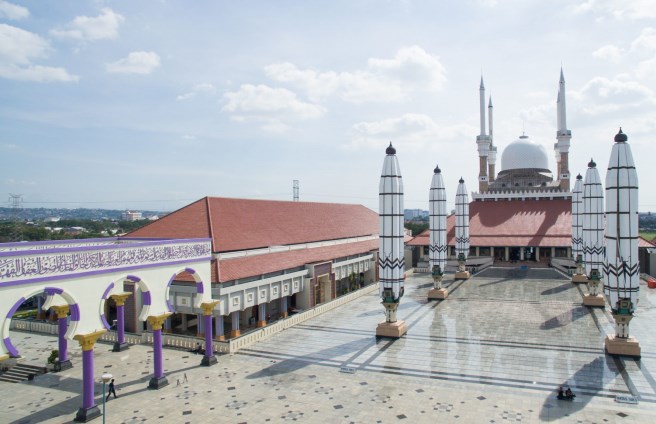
[(22, 372)]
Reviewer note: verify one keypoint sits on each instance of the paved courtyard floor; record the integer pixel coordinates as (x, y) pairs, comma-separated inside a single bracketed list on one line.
[(494, 352)]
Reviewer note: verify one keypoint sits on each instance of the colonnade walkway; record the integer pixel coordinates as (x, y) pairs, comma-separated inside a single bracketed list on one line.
[(495, 351)]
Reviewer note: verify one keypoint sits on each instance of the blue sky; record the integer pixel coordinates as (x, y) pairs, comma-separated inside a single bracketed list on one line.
[(153, 104)]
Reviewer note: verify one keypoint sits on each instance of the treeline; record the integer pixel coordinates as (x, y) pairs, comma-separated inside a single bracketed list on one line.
[(19, 231)]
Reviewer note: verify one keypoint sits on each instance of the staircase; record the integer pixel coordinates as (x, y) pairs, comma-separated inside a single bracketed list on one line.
[(22, 372)]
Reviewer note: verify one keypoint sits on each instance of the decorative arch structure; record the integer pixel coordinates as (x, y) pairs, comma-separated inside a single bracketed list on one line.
[(78, 276)]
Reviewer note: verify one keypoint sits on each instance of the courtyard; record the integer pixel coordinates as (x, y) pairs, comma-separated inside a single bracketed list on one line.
[(495, 351)]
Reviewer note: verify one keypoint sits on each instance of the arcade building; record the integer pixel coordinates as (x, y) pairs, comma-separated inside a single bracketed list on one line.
[(269, 259)]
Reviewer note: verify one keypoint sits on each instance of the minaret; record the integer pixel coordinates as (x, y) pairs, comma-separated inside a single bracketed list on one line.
[(563, 135), (391, 259), (593, 233), (622, 267), (437, 247), (492, 154), (577, 231), (462, 230), (483, 142)]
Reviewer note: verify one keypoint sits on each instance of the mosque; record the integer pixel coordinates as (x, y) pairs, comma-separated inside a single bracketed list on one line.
[(523, 212)]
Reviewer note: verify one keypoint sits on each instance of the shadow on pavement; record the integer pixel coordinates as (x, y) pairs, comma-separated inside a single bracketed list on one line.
[(554, 409), (295, 364), (565, 318)]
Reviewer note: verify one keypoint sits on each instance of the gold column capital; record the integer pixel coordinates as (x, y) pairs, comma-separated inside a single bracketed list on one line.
[(157, 321), (208, 307), (87, 341), (120, 298), (61, 311), (4, 356)]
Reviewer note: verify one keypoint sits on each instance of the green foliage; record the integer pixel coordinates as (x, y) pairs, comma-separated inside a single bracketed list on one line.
[(416, 227), (54, 355), (25, 314)]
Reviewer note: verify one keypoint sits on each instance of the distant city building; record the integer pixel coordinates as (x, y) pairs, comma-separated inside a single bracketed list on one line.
[(410, 214), (131, 216)]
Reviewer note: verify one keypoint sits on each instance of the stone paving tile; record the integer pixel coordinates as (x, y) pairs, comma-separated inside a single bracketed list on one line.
[(494, 352)]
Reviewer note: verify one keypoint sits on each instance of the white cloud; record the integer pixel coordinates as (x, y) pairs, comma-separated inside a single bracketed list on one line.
[(86, 28), (610, 52), (274, 107), (135, 63), (646, 41), (413, 66), (203, 88), (416, 132), (18, 49), (601, 95), (12, 11), (619, 9), (384, 80)]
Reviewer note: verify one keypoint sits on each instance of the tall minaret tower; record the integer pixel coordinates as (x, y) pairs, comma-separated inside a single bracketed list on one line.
[(492, 155), (563, 135), (483, 142)]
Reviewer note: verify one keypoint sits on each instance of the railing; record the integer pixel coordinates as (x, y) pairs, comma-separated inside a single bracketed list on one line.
[(190, 342)]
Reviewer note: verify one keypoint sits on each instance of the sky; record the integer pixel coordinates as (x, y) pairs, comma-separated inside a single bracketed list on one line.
[(155, 104)]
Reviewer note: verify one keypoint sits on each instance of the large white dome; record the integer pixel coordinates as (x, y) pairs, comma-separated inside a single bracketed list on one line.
[(522, 154)]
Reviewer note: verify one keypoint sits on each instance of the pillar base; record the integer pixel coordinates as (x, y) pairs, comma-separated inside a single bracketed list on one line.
[(208, 361), (87, 414), (200, 335), (158, 383), (284, 314), (391, 329), (438, 294), (597, 301), (235, 333), (63, 365), (625, 347), (219, 338), (120, 347), (579, 278), (462, 275), (261, 323)]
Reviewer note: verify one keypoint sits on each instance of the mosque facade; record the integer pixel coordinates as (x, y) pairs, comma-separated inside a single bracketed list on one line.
[(523, 212)]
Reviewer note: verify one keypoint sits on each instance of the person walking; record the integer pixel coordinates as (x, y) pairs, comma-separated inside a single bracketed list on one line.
[(112, 389)]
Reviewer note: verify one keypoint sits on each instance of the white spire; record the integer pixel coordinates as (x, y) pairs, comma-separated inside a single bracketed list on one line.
[(489, 117), (562, 110), (482, 97)]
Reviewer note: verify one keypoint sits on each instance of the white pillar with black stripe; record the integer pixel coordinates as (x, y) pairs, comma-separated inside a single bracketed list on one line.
[(622, 267), (437, 247), (462, 230), (391, 258), (577, 231), (593, 233)]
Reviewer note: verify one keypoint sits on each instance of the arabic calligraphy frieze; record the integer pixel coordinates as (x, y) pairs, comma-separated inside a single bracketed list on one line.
[(26, 267)]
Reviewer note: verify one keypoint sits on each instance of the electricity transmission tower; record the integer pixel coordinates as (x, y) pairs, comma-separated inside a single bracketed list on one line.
[(16, 205)]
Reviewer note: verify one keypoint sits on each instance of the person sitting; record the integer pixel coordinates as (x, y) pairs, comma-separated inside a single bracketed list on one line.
[(561, 394), (569, 395), (197, 349)]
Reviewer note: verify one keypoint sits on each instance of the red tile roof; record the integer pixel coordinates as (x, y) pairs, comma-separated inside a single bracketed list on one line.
[(241, 224), (232, 269), (542, 223)]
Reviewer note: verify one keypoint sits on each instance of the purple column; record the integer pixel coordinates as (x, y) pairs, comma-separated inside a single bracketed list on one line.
[(283, 306), (219, 327), (63, 343), (157, 353), (235, 325), (261, 313), (120, 324), (208, 358), (158, 381), (87, 379), (89, 410)]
